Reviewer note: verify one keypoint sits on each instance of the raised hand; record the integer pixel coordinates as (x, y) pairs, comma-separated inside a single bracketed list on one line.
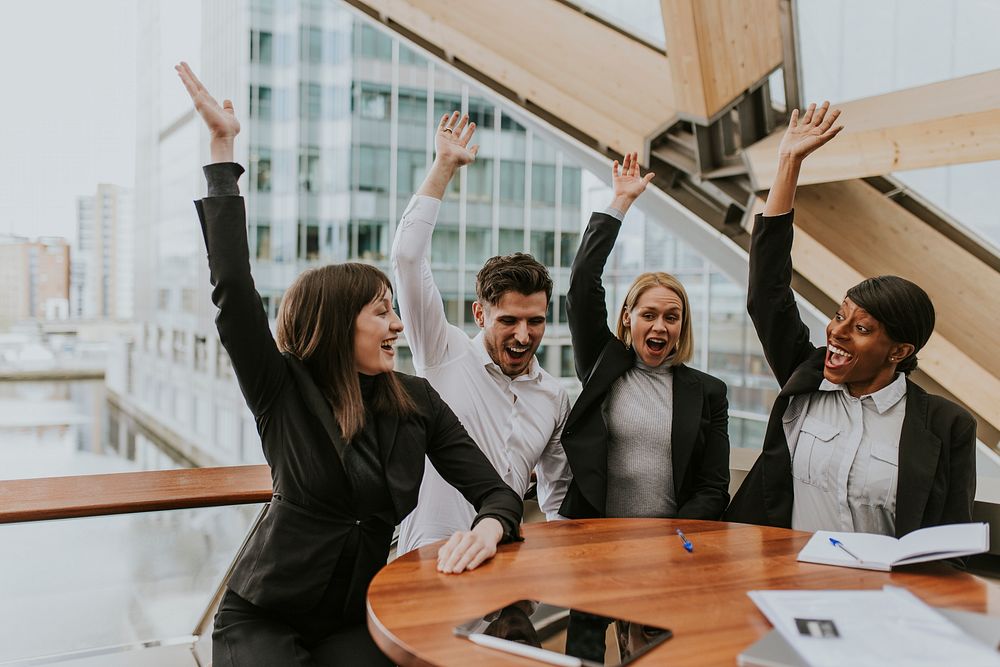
[(800, 139), (627, 181), (806, 135), (451, 141), (220, 120)]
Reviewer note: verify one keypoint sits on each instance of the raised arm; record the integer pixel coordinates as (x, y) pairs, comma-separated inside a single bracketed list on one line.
[(420, 305), (770, 301), (242, 321), (586, 308)]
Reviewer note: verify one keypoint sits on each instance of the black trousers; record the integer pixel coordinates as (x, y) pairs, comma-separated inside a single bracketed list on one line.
[(248, 636)]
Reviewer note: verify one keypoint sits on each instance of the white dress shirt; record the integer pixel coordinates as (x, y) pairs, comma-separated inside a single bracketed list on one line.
[(517, 422), (845, 457)]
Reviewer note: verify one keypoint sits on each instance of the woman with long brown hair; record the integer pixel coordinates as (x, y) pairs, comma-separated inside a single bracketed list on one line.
[(344, 434)]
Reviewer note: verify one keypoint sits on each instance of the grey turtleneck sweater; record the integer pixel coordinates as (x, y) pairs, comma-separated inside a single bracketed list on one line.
[(639, 415)]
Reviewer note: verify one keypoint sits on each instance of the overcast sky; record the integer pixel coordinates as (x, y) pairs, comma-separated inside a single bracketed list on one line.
[(67, 108)]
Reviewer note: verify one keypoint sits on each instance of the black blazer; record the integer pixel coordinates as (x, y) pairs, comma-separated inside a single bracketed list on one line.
[(289, 561), (699, 434), (937, 445)]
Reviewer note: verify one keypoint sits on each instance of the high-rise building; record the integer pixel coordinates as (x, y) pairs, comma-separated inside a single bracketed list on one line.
[(102, 273), (337, 127), (35, 276)]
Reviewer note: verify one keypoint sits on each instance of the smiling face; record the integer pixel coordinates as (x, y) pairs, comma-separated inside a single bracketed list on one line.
[(860, 354), (655, 324), (512, 329), (375, 332)]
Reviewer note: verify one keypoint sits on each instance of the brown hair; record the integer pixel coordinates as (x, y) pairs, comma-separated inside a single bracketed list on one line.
[(316, 324), (519, 272), (685, 343)]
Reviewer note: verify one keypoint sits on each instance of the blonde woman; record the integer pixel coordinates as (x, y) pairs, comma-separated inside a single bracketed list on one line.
[(648, 436)]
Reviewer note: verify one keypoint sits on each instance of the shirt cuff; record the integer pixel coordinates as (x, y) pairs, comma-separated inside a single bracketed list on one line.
[(511, 532), (781, 217), (421, 209), (222, 178), (614, 213)]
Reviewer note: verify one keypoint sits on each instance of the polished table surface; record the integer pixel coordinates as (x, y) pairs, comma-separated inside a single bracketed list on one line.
[(635, 569)]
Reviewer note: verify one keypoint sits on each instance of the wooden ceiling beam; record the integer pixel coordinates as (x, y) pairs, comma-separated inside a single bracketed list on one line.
[(949, 122), (591, 77)]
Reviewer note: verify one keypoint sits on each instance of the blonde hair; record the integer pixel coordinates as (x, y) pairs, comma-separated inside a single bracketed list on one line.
[(684, 349)]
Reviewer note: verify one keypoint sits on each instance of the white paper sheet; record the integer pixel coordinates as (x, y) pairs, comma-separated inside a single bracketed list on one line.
[(860, 628)]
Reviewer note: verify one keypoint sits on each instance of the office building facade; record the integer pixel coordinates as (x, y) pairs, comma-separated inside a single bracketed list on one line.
[(337, 120)]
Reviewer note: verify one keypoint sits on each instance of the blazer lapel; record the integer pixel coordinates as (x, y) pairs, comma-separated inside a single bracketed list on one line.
[(919, 451), (316, 403), (686, 421), (615, 359), (807, 377)]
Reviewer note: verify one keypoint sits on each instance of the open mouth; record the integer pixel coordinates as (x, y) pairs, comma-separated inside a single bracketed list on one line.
[(517, 352), (656, 345), (837, 357), (387, 345)]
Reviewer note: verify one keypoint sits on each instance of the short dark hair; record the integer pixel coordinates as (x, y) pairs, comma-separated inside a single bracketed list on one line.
[(519, 273), (902, 307)]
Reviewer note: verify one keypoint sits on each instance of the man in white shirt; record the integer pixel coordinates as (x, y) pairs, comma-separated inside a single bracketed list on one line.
[(512, 408)]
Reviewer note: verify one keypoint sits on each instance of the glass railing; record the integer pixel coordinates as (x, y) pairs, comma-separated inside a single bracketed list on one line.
[(107, 585)]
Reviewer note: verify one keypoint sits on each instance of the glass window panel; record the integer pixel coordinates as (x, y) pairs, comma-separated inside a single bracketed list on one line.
[(373, 168), (372, 240), (260, 102), (568, 244), (310, 101), (112, 580), (309, 170), (543, 183), (477, 246), (263, 242), (310, 44), (308, 241), (511, 241), (260, 169), (479, 180), (512, 181), (444, 246), (543, 246), (571, 188)]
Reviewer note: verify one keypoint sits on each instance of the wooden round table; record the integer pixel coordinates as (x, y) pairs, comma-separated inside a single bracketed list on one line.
[(635, 569)]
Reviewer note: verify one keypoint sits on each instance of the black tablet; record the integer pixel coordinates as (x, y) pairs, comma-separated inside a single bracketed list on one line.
[(562, 636)]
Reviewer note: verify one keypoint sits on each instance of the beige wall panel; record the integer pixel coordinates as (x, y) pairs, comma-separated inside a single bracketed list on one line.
[(719, 48), (590, 76), (950, 122)]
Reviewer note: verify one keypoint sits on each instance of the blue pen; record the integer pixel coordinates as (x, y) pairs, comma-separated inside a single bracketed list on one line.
[(837, 543), (687, 545)]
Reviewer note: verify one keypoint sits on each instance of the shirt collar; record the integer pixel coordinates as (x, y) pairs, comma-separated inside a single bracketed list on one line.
[(884, 398), (534, 369)]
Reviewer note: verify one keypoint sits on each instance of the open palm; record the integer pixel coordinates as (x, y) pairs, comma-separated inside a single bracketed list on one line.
[(628, 183), (806, 135), (451, 141), (220, 120)]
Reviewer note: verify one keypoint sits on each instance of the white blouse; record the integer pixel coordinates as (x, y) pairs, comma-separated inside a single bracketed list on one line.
[(845, 457)]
